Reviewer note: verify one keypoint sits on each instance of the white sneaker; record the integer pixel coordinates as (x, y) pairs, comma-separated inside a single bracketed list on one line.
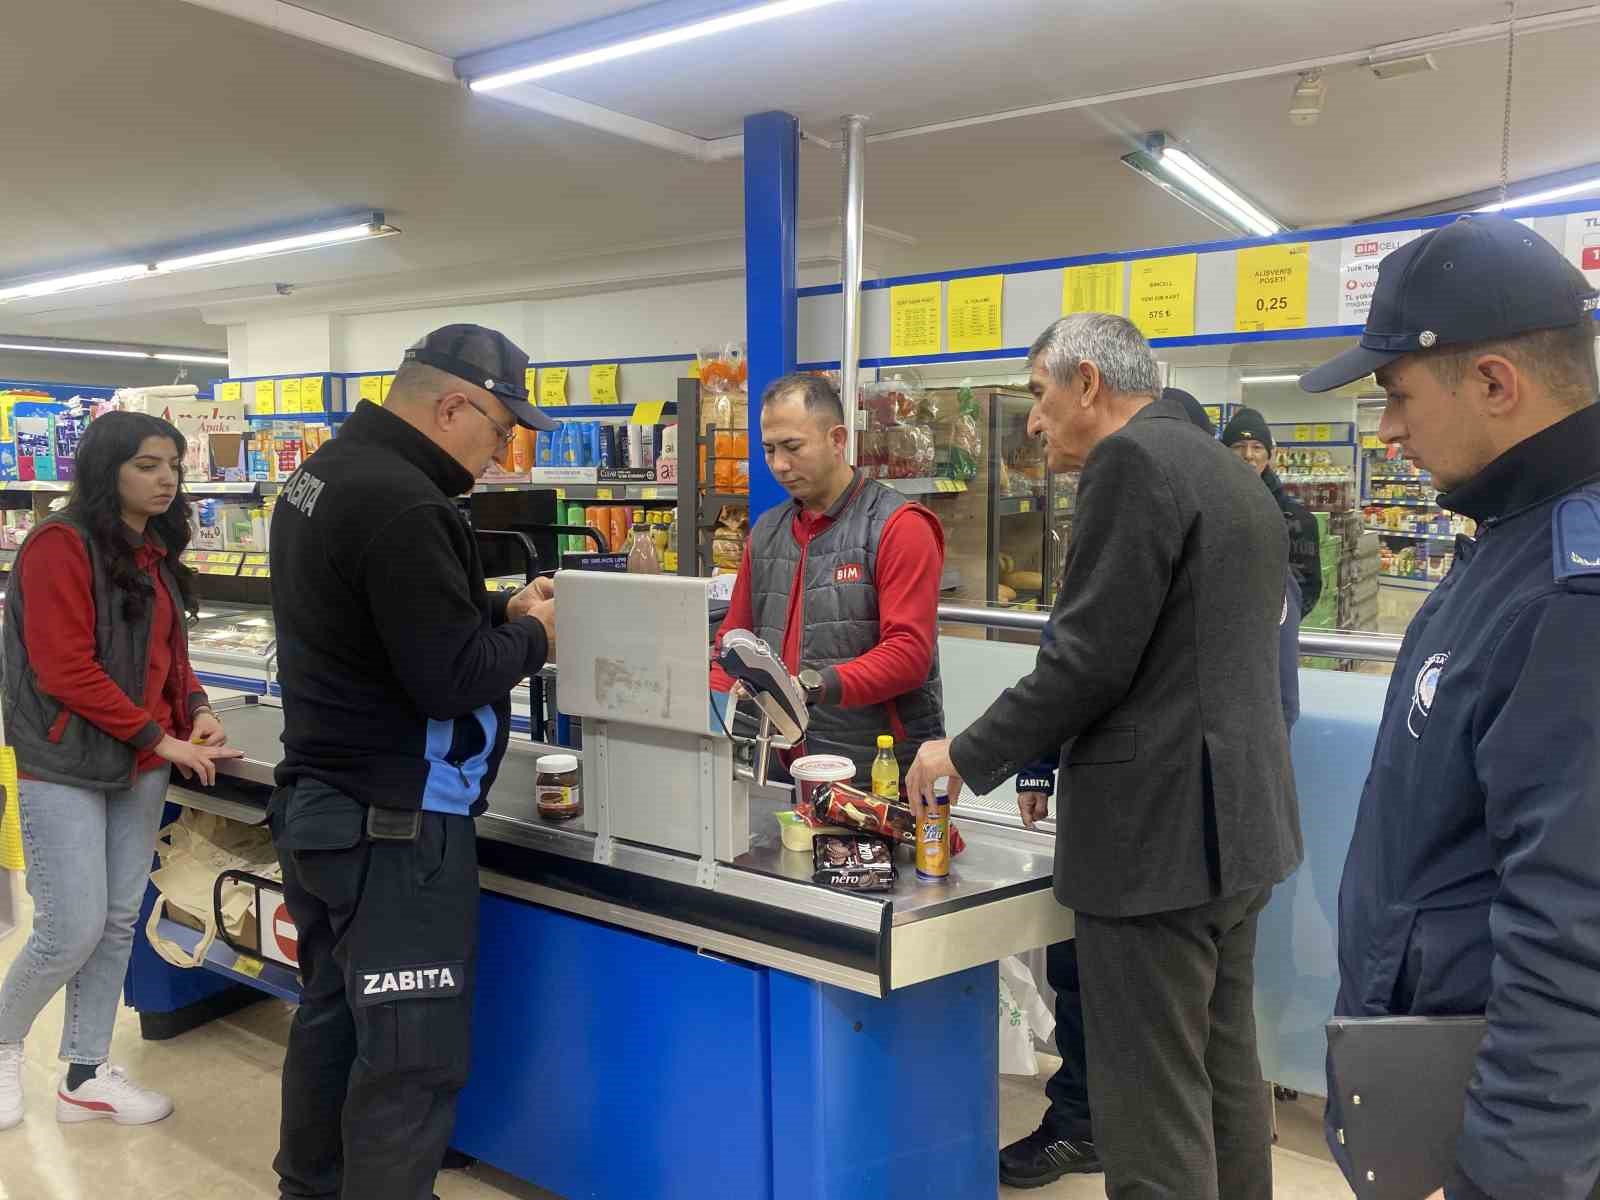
[(110, 1094), (10, 1084)]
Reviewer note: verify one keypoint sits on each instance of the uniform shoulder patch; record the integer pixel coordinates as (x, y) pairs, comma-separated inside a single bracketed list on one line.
[(1575, 531)]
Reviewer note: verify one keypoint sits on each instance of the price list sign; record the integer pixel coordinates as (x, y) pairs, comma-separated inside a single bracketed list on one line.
[(1272, 287), (1093, 288), (975, 312), (915, 319), (1161, 300)]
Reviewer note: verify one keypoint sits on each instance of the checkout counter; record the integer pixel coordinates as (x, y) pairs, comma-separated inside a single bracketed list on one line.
[(667, 1005)]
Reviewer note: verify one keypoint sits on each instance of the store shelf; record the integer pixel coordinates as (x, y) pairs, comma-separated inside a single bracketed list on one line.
[(1411, 534), (1409, 581), (644, 492), (1376, 502), (320, 418), (590, 412), (1017, 506), (926, 487), (1401, 479)]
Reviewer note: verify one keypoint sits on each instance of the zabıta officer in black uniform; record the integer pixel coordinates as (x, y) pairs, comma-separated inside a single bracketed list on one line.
[(1473, 879), (397, 667)]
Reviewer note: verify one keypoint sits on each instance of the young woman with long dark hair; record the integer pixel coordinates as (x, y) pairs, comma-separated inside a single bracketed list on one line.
[(100, 703)]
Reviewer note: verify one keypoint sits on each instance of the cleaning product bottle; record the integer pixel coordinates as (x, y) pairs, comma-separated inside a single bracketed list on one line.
[(886, 770), (642, 556)]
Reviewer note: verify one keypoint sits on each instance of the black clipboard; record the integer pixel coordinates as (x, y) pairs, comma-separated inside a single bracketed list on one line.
[(1402, 1084)]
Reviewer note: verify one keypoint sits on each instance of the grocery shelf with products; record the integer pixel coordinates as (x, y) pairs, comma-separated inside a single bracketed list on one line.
[(1401, 507)]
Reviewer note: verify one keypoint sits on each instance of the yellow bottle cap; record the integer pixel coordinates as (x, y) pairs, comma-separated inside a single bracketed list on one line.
[(885, 741)]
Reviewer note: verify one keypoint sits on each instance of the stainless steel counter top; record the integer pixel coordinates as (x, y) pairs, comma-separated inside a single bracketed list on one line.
[(762, 907)]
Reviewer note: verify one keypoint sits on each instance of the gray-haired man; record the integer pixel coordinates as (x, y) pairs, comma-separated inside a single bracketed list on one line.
[(1158, 684)]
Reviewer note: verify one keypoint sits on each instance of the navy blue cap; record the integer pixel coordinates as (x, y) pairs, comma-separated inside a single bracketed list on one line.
[(1474, 280), (488, 359)]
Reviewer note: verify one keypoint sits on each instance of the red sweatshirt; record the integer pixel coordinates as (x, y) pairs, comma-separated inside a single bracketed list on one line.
[(910, 562), (59, 584)]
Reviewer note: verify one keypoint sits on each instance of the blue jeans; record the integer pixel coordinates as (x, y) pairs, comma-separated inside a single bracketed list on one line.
[(89, 857)]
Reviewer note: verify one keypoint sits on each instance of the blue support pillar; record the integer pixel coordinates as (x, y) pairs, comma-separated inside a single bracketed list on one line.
[(771, 174)]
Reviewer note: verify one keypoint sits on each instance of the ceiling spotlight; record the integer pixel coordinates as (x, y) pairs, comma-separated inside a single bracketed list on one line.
[(1305, 105)]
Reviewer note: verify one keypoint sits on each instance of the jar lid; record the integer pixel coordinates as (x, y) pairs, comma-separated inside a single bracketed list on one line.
[(556, 764)]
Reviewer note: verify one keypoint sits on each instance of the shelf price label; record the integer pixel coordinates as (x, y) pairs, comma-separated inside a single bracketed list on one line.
[(916, 319), (648, 413), (1302, 433), (603, 383), (1273, 282), (266, 397), (372, 389), (1324, 433), (383, 395), (1025, 506), (291, 396), (530, 381), (975, 312), (1162, 299), (1094, 288), (553, 387), (312, 399), (230, 393)]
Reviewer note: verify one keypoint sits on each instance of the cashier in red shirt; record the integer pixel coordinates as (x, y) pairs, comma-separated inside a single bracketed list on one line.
[(846, 580)]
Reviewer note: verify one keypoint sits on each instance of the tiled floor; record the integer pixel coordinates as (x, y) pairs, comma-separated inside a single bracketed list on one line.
[(220, 1141)]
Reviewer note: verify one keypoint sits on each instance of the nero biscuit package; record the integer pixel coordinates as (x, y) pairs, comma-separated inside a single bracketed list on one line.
[(854, 862)]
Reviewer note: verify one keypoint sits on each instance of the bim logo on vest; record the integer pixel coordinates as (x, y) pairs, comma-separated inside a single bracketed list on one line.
[(849, 573)]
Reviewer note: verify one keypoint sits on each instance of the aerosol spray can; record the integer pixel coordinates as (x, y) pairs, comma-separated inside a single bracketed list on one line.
[(933, 840)]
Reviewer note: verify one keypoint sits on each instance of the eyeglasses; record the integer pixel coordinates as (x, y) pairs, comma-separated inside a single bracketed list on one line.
[(507, 434)]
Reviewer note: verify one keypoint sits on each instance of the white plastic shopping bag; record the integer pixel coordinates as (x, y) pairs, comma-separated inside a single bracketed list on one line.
[(1024, 1016)]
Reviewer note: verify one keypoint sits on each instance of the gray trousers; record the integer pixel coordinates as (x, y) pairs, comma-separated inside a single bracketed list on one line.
[(1180, 1108)]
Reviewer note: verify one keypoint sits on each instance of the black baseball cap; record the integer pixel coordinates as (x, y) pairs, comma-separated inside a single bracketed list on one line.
[(486, 359), (1476, 279)]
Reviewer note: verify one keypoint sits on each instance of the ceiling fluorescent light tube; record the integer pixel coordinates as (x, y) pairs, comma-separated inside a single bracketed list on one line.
[(1256, 219), (1558, 193), (643, 45), (193, 358), (1246, 379), (90, 351), (68, 283), (305, 241), (1197, 185)]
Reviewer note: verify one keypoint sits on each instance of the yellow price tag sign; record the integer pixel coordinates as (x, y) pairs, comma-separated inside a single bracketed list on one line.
[(388, 382), (1025, 507), (245, 965), (230, 392), (1273, 282), (1302, 433), (603, 383), (530, 380), (603, 494), (561, 493), (553, 387), (648, 413), (975, 312), (1093, 288), (1161, 302), (266, 397), (916, 319), (1324, 433), (647, 493), (290, 398), (313, 398), (372, 389)]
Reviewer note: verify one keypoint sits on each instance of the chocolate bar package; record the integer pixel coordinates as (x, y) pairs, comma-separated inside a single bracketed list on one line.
[(854, 862), (841, 804)]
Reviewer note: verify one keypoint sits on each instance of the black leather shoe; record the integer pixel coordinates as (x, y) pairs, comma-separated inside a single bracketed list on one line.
[(1042, 1158)]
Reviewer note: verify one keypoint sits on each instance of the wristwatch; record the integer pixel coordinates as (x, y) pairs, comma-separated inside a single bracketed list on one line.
[(811, 684)]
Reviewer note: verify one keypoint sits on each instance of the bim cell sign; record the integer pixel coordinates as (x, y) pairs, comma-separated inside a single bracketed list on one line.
[(1583, 244), (1358, 270)]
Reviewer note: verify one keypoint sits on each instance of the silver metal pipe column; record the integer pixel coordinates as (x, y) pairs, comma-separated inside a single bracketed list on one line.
[(854, 146), (1331, 643)]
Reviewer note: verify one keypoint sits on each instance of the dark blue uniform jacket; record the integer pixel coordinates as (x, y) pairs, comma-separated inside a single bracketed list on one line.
[(1473, 878)]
